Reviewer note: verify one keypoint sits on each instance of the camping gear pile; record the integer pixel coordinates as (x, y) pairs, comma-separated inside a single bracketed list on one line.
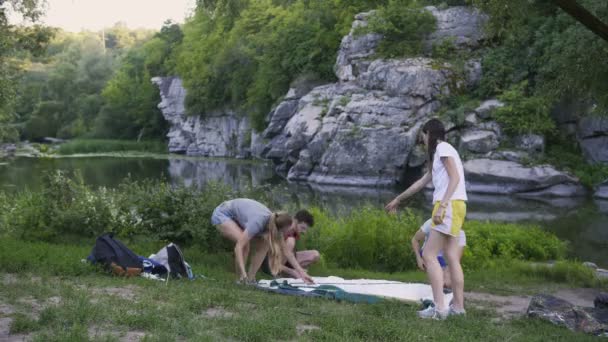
[(115, 257)]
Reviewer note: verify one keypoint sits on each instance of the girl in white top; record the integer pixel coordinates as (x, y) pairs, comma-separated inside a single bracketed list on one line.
[(446, 173)]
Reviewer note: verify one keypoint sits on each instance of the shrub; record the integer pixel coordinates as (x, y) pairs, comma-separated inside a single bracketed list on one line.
[(524, 114), (369, 238), (365, 238), (404, 25)]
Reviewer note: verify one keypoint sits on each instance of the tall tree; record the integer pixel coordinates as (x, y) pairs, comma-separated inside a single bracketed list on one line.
[(14, 39), (582, 15)]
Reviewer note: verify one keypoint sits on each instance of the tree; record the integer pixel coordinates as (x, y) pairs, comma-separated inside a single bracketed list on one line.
[(13, 40), (585, 17)]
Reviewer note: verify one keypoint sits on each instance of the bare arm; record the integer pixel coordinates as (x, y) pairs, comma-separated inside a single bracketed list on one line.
[(413, 189), (419, 236), (288, 248)]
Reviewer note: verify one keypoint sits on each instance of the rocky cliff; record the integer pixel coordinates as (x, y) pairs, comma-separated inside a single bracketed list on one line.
[(363, 129), (217, 134)]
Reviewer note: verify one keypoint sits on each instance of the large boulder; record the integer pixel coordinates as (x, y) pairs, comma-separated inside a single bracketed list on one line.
[(355, 50), (414, 77), (602, 190), (485, 108), (507, 177), (593, 138), (478, 141), (217, 134), (532, 143), (463, 26), (561, 312)]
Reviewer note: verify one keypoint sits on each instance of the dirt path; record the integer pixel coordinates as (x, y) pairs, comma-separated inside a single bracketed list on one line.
[(513, 306)]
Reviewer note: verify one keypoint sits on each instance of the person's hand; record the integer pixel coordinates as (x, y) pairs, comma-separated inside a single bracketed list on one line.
[(391, 207), (420, 264), (438, 217), (307, 279)]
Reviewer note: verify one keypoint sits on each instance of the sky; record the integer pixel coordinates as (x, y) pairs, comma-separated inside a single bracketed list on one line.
[(75, 15)]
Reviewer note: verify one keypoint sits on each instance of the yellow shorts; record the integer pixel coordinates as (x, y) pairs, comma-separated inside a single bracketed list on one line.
[(453, 217)]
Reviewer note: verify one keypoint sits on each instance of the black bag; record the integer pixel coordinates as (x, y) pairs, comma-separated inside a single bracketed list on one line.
[(110, 253), (172, 258)]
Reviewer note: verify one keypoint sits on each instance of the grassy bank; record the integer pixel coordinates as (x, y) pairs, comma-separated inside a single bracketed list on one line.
[(366, 238), (80, 146), (51, 296)]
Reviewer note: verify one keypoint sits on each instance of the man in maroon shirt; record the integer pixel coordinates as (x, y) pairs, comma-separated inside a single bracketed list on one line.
[(296, 262)]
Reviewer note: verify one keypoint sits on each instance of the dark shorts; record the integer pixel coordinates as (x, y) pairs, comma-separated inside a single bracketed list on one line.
[(266, 266), (441, 260)]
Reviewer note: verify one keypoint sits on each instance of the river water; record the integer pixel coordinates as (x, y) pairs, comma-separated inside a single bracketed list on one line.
[(582, 221)]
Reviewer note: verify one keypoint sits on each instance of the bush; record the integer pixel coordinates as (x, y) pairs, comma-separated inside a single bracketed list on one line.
[(489, 244), (524, 114), (369, 238), (404, 25), (366, 238)]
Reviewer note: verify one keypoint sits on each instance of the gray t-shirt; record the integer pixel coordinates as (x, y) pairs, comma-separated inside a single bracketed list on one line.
[(251, 215)]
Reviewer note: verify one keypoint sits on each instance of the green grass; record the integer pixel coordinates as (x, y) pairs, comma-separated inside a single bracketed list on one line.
[(55, 297), (100, 146)]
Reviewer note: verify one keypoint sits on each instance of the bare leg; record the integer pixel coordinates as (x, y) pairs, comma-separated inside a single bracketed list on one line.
[(453, 253), (433, 269), (232, 231), (307, 258), (260, 249)]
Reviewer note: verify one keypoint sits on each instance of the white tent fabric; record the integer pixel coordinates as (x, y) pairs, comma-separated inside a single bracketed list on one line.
[(410, 292)]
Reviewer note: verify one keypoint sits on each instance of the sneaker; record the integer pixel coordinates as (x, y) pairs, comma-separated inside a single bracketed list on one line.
[(432, 312), (457, 312)]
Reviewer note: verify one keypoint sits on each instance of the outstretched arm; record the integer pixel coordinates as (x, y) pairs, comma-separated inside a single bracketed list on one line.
[(413, 189), (419, 236), (288, 248)]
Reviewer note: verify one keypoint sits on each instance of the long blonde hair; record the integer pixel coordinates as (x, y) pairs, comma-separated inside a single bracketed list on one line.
[(276, 224)]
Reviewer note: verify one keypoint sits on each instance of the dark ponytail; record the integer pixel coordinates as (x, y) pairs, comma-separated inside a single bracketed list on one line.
[(435, 131)]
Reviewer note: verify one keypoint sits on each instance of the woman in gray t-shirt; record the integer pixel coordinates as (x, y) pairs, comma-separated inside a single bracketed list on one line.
[(243, 220)]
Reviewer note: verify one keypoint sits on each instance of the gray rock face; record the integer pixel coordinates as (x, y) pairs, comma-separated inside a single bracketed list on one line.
[(602, 190), (355, 50), (223, 134), (363, 129), (485, 109), (479, 141), (462, 25), (593, 138), (530, 142), (506, 177)]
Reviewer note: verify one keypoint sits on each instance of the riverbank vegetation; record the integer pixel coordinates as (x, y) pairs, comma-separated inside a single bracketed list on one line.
[(65, 208), (82, 146)]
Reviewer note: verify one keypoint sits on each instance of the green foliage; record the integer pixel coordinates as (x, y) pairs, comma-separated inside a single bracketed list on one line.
[(100, 146), (567, 156), (365, 238), (537, 42), (368, 238), (524, 114), (404, 25), (490, 244), (68, 207), (130, 99), (456, 108), (16, 42), (245, 55)]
